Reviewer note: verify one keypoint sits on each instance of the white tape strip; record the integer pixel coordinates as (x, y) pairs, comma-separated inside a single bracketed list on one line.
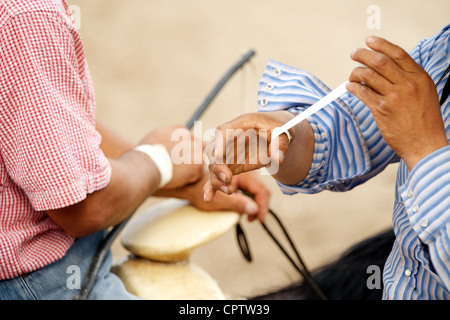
[(333, 95), (160, 156)]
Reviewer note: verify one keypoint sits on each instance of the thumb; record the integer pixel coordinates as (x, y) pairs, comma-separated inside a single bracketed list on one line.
[(278, 148)]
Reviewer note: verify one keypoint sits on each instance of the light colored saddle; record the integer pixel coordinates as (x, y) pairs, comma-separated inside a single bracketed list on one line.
[(161, 241)]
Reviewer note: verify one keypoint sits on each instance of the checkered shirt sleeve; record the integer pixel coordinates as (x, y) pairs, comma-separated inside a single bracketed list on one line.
[(50, 147)]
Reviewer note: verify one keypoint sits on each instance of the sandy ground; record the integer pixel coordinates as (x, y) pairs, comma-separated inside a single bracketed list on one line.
[(154, 61)]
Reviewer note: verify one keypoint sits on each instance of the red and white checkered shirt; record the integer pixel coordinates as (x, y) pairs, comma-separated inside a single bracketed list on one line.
[(50, 154)]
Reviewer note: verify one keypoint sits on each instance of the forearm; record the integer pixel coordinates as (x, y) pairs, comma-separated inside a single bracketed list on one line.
[(297, 161), (113, 145), (134, 177), (185, 193)]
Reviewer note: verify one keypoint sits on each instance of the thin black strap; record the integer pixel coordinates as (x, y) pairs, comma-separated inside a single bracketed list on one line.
[(446, 90), (301, 267), (243, 244), (304, 272)]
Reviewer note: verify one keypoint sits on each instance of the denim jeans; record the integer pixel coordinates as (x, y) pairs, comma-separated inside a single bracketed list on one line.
[(62, 279)]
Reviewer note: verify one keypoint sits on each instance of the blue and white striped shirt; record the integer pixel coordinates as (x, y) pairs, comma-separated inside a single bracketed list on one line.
[(349, 150)]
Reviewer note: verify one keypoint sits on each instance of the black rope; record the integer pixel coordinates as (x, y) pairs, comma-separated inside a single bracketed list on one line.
[(106, 243), (202, 108), (98, 260), (242, 242), (304, 272), (301, 267), (443, 75), (446, 90)]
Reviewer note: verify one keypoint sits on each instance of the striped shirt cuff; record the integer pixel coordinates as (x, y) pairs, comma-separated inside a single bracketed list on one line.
[(426, 194), (283, 87)]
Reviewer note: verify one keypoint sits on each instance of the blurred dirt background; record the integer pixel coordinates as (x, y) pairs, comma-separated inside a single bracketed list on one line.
[(154, 61)]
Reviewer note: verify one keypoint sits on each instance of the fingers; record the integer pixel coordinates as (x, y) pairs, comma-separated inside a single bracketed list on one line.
[(367, 95), (226, 134), (245, 145), (388, 60), (220, 174), (378, 62), (208, 192), (254, 201), (370, 78), (386, 65), (221, 178), (236, 202), (394, 52), (256, 206), (244, 205)]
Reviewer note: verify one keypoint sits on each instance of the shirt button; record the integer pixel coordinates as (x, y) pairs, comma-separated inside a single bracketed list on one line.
[(269, 87), (276, 72), (264, 102), (408, 272), (424, 223), (415, 208), (410, 193)]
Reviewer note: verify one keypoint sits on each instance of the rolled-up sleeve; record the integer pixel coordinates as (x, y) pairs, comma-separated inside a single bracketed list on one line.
[(348, 147)]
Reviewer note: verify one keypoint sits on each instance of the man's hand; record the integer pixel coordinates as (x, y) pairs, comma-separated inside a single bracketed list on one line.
[(185, 172), (248, 182), (402, 98), (242, 145), (134, 177)]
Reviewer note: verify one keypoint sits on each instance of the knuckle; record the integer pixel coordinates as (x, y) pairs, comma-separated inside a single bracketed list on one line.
[(363, 90), (370, 73), (398, 53), (383, 106), (380, 60), (357, 74), (423, 77), (367, 74), (220, 131), (221, 127), (396, 97), (411, 86), (216, 169), (353, 74)]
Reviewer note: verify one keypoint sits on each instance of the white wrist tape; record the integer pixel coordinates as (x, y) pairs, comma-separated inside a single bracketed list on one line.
[(158, 153)]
